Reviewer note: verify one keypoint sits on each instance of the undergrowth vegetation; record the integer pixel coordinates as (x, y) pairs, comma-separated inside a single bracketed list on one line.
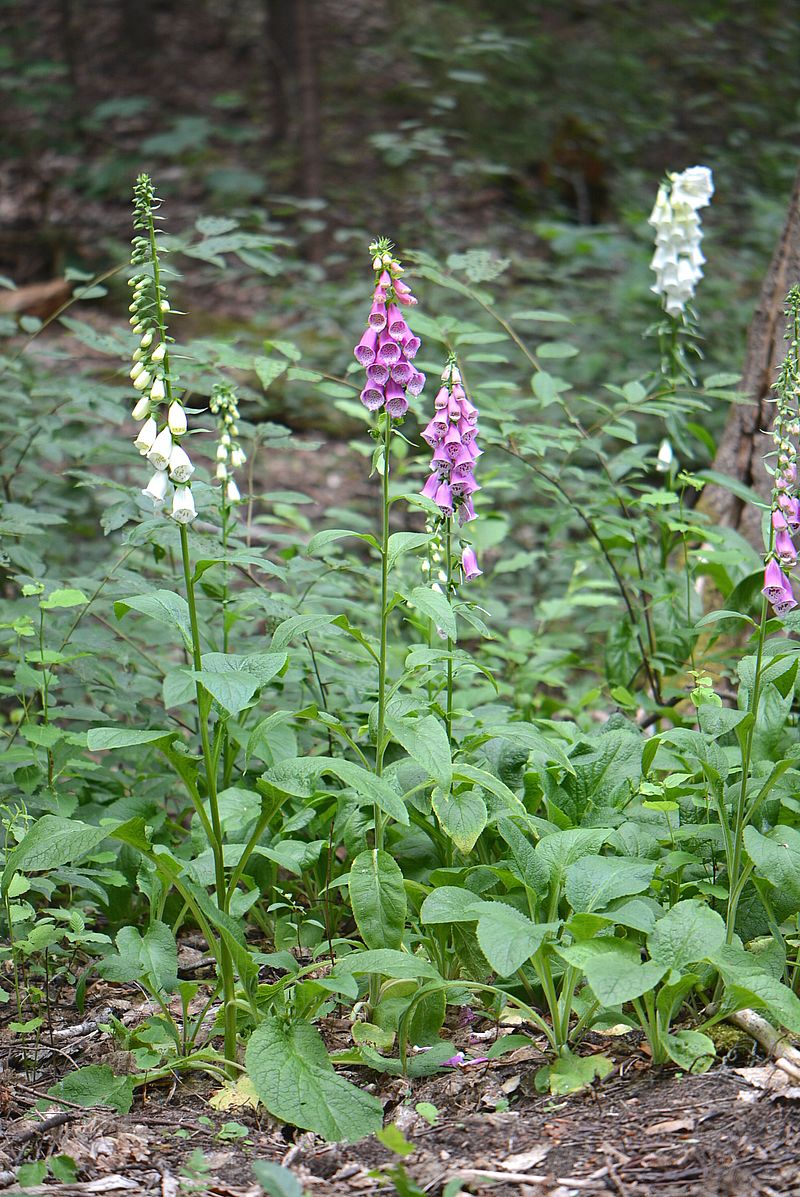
[(519, 736)]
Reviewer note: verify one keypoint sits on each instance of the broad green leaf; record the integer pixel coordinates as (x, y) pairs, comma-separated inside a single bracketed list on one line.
[(162, 605), (526, 735), (298, 625), (434, 604), (450, 904), (275, 1180), (462, 816), (378, 898), (425, 740), (388, 962), (52, 842), (558, 851), (232, 689), (487, 781), (405, 542), (95, 1085), (691, 1050), (508, 938), (748, 984), (63, 598), (569, 1072), (533, 872), (777, 858), (262, 666), (556, 349), (294, 1078), (688, 932), (268, 369), (298, 775), (160, 956), (539, 314), (613, 968), (330, 535), (595, 881), (104, 739)]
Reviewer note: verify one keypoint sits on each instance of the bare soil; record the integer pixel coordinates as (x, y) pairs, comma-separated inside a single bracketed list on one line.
[(641, 1131)]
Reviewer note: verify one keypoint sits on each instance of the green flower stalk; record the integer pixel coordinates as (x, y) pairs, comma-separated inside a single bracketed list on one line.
[(164, 424)]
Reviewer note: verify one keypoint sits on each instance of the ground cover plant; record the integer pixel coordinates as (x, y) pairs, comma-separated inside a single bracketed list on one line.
[(435, 761)]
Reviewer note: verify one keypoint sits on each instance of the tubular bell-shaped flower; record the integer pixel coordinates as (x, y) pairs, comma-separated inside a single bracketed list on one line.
[(451, 434), (388, 346), (158, 436), (230, 455), (777, 587), (678, 258)]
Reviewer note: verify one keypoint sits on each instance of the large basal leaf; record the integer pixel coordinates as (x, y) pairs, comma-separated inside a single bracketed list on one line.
[(95, 1085), (558, 851), (594, 881), (531, 869), (508, 938), (425, 740), (688, 932), (613, 968), (275, 1180), (747, 983), (387, 962), (378, 898), (777, 859), (52, 842), (450, 904), (294, 1078), (462, 816), (153, 955)]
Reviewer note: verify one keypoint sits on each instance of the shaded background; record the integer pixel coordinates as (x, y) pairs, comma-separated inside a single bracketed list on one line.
[(535, 130)]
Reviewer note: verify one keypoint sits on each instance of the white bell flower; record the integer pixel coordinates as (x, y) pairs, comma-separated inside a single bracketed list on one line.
[(694, 186), (180, 465), (147, 435), (158, 353), (232, 492), (183, 508), (142, 408), (158, 390), (176, 418), (158, 488), (238, 458), (161, 451)]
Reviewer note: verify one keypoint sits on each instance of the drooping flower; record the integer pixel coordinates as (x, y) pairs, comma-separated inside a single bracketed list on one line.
[(785, 514), (230, 454), (678, 258), (388, 346), (451, 434), (150, 373)]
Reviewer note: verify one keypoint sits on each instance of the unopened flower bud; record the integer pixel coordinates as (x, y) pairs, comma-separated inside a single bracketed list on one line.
[(147, 435), (238, 458), (158, 353), (158, 391), (164, 305), (147, 339), (665, 457), (135, 371), (232, 492), (221, 471), (142, 408), (176, 418), (142, 381)]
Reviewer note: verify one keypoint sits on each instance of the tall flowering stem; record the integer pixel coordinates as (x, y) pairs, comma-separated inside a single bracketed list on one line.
[(386, 350), (452, 435), (163, 425), (781, 555)]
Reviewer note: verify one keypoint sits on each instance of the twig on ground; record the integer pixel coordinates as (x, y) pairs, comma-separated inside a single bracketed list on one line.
[(777, 1045)]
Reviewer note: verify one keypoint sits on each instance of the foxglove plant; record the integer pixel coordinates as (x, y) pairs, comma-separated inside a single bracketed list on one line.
[(161, 412), (452, 435), (164, 424), (386, 350)]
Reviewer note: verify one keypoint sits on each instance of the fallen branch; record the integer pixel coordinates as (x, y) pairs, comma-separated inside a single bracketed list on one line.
[(777, 1046)]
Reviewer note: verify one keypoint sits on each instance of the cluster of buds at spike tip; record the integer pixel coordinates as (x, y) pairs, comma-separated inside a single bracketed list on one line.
[(161, 415), (678, 260), (388, 347), (785, 512), (230, 454)]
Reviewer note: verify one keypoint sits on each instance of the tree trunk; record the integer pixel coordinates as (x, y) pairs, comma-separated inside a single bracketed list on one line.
[(746, 437)]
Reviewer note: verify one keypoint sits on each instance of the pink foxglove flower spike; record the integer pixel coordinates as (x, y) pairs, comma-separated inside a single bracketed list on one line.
[(388, 346), (785, 515)]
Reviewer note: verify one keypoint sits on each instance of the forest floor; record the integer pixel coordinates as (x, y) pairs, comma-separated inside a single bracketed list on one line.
[(731, 1132)]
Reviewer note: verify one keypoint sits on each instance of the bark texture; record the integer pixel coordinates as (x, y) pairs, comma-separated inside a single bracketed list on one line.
[(746, 439)]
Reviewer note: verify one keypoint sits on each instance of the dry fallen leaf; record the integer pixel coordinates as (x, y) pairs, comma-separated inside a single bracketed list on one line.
[(669, 1126), (238, 1096), (770, 1078), (525, 1159)]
